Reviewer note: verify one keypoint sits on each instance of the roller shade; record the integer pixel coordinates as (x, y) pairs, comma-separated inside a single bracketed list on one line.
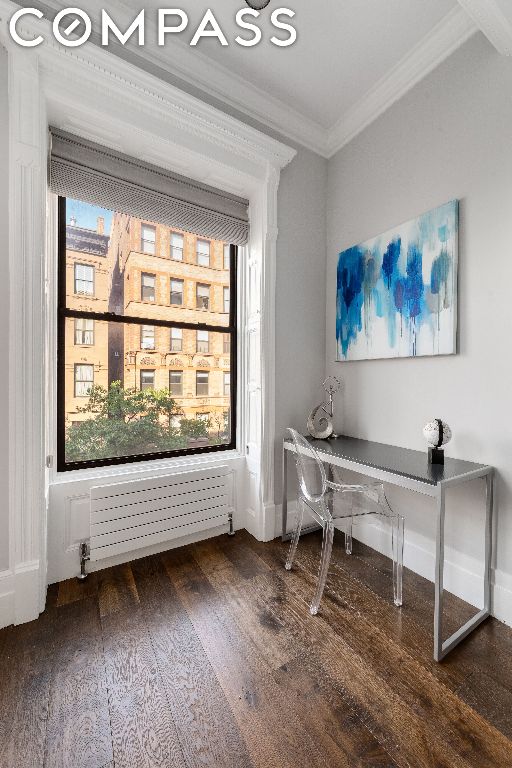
[(87, 171)]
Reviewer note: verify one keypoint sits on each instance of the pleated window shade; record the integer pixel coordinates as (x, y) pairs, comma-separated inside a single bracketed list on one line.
[(86, 171)]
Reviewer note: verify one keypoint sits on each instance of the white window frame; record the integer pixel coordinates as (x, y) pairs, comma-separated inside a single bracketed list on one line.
[(178, 337), (176, 249), (201, 254), (42, 91), (147, 331)]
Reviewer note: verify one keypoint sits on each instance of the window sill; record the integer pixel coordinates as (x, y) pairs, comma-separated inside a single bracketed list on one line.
[(145, 468)]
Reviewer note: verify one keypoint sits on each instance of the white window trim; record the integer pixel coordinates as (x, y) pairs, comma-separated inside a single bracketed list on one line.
[(119, 103)]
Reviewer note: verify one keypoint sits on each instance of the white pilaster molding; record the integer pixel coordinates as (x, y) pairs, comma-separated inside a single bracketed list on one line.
[(27, 181), (268, 356), (493, 22)]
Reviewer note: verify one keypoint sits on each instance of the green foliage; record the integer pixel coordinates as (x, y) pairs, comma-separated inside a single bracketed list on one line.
[(127, 422)]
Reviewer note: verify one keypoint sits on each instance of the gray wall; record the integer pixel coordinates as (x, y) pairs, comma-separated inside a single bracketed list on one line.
[(300, 295), (450, 137), (4, 314)]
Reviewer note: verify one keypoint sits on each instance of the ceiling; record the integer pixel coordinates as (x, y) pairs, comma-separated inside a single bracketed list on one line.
[(351, 61)]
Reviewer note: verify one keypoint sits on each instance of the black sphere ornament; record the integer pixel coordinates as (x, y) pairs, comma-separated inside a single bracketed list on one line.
[(257, 5)]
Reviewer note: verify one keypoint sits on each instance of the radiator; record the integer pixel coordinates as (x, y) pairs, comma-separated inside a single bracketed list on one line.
[(138, 513)]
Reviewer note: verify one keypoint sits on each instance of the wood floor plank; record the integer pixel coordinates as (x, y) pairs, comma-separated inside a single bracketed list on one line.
[(207, 657), (78, 731), (25, 676), (117, 590), (447, 730), (301, 677), (143, 730), (206, 727), (257, 694)]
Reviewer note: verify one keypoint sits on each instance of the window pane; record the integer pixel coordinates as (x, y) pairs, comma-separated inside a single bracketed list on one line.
[(84, 332), (104, 414), (176, 340), (227, 383), (226, 299), (147, 337), (203, 342), (108, 270), (177, 293), (227, 256), (202, 296), (203, 253), (176, 246), (147, 380), (147, 283), (176, 383), (148, 238)]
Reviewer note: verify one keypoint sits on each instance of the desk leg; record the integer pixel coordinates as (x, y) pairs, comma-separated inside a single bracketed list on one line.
[(285, 495), (438, 608), (441, 649)]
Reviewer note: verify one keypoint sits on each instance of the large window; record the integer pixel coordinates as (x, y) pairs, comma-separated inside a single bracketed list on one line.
[(132, 382)]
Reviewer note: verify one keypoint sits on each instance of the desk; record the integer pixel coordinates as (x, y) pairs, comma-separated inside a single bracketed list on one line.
[(410, 469)]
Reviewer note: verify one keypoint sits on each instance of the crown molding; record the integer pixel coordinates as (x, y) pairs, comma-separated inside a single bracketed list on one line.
[(489, 17), (201, 73), (441, 42)]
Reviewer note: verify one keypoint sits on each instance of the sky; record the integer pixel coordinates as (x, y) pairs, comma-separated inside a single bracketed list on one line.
[(86, 214)]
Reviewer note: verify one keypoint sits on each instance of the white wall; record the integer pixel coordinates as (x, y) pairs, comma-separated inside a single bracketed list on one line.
[(4, 314), (451, 137)]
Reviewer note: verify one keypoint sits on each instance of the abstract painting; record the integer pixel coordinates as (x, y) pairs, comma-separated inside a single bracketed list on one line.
[(397, 293)]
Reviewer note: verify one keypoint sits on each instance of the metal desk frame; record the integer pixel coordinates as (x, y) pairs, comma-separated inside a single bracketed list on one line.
[(438, 492)]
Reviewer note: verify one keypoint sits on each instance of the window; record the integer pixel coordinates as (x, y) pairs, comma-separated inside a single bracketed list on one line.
[(203, 342), (176, 383), (84, 279), (205, 417), (148, 239), (203, 253), (227, 256), (84, 332), (129, 339), (147, 287), (176, 340), (147, 380), (177, 293), (202, 383), (202, 296), (147, 337), (84, 379), (226, 300), (227, 383), (176, 246)]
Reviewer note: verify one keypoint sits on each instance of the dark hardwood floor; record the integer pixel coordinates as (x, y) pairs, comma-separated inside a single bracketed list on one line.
[(207, 656)]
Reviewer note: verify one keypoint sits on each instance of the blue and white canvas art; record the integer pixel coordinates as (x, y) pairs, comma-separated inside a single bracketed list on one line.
[(397, 294)]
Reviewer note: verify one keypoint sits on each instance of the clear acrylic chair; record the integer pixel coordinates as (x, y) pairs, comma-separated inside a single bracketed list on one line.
[(329, 501)]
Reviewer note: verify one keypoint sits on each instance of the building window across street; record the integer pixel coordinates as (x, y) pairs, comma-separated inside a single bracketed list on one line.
[(148, 239), (84, 332), (84, 279), (176, 246), (146, 368)]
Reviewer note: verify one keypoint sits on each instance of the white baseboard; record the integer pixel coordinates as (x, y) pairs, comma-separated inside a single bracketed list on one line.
[(19, 594), (463, 575)]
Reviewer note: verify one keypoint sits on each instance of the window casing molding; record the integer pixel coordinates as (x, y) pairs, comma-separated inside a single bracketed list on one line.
[(120, 104)]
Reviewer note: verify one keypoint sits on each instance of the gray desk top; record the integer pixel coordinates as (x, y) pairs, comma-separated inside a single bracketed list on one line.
[(390, 458)]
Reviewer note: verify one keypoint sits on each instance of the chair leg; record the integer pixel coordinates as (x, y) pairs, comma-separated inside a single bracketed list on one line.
[(397, 532), (295, 537), (348, 536), (325, 559)]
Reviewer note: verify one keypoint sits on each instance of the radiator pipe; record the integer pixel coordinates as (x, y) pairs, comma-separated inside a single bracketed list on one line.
[(84, 553)]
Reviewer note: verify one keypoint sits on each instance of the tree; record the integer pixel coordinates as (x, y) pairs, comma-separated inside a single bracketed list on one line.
[(125, 422)]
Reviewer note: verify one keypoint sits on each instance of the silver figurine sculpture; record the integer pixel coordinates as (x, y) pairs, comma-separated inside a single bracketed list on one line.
[(320, 424)]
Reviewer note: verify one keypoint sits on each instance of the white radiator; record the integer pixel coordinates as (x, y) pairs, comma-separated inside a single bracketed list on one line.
[(138, 513)]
